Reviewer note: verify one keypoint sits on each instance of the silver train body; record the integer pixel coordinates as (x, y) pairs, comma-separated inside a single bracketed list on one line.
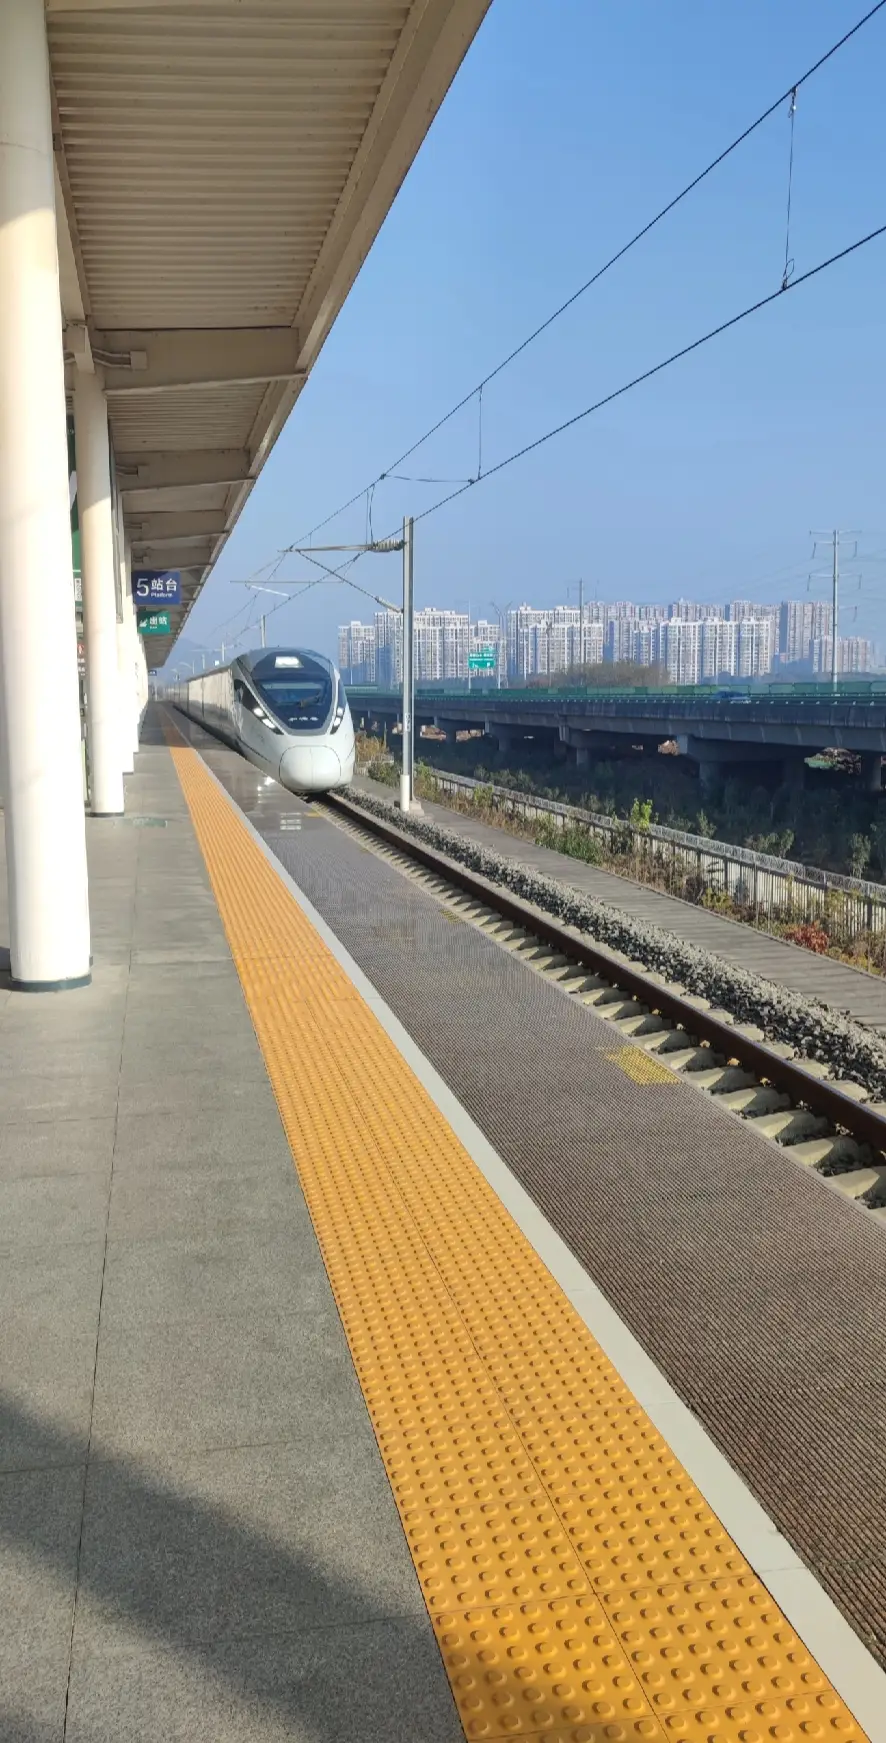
[(283, 708)]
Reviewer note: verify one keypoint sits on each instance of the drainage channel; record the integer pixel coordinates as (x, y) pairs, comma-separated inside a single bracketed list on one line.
[(825, 1123)]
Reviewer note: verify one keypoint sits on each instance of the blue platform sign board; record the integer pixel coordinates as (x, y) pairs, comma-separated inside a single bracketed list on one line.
[(157, 586)]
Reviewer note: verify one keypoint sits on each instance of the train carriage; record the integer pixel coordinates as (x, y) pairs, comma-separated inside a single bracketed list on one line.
[(283, 708)]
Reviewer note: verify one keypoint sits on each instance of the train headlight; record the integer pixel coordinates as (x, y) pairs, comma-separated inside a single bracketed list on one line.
[(340, 708)]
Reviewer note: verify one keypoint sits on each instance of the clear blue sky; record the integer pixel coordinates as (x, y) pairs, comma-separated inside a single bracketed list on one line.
[(570, 123)]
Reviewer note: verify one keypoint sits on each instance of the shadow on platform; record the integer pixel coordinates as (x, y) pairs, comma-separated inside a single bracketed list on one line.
[(267, 1638)]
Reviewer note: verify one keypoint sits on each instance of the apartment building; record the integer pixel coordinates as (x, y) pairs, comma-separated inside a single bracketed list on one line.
[(356, 652)]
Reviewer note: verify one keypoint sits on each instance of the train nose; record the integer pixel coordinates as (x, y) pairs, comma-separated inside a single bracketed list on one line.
[(310, 768)]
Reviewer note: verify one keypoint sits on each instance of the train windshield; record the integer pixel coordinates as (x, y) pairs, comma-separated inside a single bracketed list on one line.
[(299, 698)]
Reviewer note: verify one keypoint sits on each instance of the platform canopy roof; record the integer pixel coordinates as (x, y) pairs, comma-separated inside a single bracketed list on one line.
[(223, 168)]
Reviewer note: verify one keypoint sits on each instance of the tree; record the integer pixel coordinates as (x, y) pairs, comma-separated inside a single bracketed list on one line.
[(878, 841), (859, 854), (641, 814), (610, 675)]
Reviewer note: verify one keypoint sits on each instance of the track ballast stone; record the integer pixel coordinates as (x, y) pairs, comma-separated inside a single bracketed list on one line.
[(815, 1030)]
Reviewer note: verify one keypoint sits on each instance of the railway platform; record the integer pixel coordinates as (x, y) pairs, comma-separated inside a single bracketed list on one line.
[(383, 1357)]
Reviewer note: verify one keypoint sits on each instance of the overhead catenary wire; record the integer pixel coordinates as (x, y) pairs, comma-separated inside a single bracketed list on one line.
[(414, 478), (340, 573), (253, 610), (787, 572), (477, 390), (268, 570), (788, 283), (225, 629), (336, 574), (605, 400), (291, 598), (657, 368), (253, 607)]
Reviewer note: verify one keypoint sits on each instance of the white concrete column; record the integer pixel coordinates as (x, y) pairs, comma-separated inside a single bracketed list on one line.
[(42, 778), (125, 662), (99, 596), (137, 648), (143, 683)]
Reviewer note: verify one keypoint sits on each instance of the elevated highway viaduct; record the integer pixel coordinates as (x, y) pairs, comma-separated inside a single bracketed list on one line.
[(715, 732)]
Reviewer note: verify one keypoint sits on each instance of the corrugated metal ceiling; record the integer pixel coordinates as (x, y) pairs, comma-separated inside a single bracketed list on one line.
[(206, 154), (224, 165), (184, 419)]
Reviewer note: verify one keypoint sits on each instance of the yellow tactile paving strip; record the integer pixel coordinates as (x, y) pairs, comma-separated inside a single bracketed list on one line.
[(580, 1589), (641, 1067)]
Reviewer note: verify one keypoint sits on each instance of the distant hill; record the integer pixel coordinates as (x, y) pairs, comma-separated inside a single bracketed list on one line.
[(184, 649)]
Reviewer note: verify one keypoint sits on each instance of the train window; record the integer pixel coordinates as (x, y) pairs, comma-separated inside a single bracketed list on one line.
[(248, 699), (302, 699)]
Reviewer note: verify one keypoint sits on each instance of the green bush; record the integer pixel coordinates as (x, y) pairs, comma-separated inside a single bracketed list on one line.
[(386, 772), (641, 814), (571, 839)]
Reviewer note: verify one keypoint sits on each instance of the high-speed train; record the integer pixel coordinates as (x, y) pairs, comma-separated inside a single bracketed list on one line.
[(283, 708)]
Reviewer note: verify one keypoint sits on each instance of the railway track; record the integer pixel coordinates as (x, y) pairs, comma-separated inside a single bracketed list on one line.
[(827, 1123)]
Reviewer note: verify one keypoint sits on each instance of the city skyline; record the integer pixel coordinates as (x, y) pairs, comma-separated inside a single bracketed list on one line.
[(693, 642)]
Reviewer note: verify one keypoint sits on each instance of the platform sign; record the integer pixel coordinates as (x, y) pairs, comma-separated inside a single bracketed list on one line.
[(153, 623), (157, 586)]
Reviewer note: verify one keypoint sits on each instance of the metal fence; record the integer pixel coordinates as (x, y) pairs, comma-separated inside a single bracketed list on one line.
[(691, 866)]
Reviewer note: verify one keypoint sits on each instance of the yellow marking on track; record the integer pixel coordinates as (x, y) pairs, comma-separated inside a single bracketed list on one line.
[(641, 1067), (580, 1588)]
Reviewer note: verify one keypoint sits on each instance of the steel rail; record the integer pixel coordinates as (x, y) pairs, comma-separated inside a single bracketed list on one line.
[(821, 1095)]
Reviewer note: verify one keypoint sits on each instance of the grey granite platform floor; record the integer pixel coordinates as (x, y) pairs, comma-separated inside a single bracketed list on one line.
[(197, 1537)]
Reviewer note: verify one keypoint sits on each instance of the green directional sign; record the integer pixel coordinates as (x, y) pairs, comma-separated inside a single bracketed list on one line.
[(153, 623), (481, 663)]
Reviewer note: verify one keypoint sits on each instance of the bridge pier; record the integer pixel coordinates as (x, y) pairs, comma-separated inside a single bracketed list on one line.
[(871, 771), (793, 771), (504, 735), (588, 747), (715, 759), (386, 724), (450, 727)]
